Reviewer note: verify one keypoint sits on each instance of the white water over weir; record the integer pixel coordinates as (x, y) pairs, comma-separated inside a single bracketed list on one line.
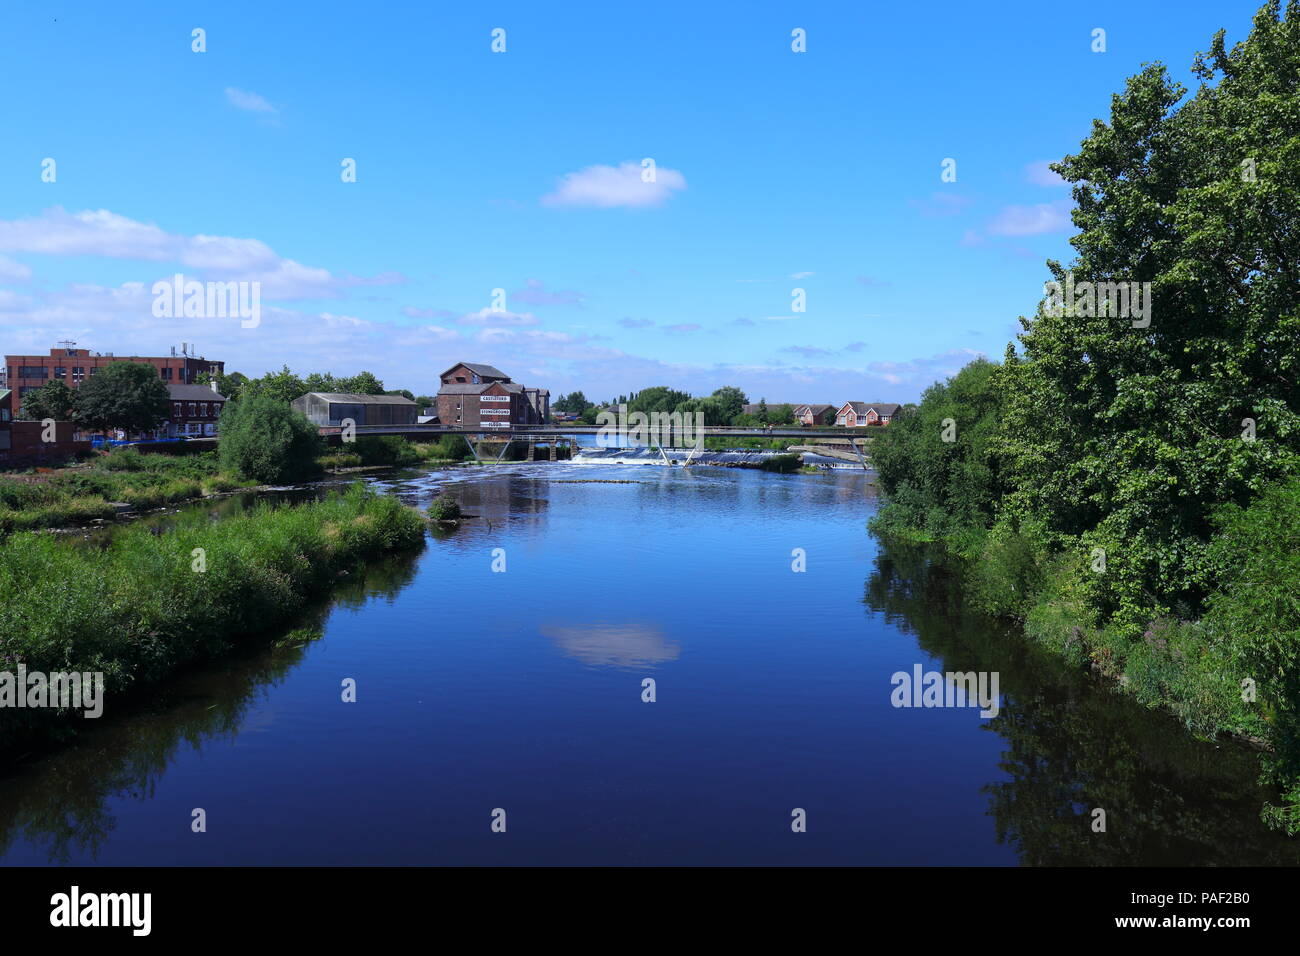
[(646, 455)]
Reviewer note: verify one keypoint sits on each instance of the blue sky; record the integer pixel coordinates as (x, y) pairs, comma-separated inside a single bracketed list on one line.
[(521, 171)]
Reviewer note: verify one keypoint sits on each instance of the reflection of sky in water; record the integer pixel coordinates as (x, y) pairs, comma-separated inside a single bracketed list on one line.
[(613, 645)]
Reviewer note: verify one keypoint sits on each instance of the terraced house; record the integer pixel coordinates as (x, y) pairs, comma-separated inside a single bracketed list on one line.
[(473, 395)]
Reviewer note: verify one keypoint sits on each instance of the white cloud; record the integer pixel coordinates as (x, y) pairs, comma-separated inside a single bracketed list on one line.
[(1039, 174), (11, 271), (606, 187), (500, 317), (1032, 220), (251, 102), (106, 234)]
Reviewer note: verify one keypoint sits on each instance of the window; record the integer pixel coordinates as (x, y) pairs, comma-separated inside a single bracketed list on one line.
[(78, 374), (60, 372), (476, 379), (203, 410), (216, 409), (24, 389), (192, 411), (176, 410), (93, 371), (33, 371), (166, 373)]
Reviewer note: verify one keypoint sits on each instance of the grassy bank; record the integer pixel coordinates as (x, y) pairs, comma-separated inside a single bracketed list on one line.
[(82, 493), (148, 603)]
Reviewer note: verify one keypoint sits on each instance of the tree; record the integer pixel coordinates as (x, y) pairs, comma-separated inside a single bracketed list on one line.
[(52, 400), (283, 386), (125, 395), (731, 401), (782, 415), (1127, 437), (363, 383), (230, 386), (263, 439), (659, 398)]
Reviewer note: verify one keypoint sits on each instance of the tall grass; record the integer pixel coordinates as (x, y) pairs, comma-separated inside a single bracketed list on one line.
[(76, 495), (148, 602)]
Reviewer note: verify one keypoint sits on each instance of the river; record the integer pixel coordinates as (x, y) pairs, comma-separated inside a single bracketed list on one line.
[(521, 689)]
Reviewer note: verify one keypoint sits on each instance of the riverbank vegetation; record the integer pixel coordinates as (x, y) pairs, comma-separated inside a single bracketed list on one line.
[(1128, 486), (149, 600), (89, 491)]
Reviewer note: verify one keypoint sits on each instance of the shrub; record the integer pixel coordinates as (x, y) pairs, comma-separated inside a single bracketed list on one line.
[(267, 441), (445, 508)]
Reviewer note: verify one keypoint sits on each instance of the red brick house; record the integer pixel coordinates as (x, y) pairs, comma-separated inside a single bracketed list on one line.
[(811, 415), (861, 414), (72, 366), (481, 396), (195, 410)]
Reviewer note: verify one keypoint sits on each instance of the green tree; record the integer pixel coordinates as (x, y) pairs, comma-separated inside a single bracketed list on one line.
[(265, 440), (283, 386), (52, 400), (731, 401), (660, 398), (125, 395), (230, 386), (1126, 437)]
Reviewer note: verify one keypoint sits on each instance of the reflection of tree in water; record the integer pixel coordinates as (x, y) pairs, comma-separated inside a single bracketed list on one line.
[(1073, 745), (61, 799)]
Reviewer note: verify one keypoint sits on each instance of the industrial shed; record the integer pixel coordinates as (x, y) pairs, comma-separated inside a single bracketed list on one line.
[(331, 408)]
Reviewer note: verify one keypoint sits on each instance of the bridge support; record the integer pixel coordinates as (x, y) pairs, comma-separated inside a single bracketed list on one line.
[(472, 450), (854, 443)]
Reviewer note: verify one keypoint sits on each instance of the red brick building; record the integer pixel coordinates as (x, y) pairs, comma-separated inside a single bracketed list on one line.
[(72, 366), (23, 443), (195, 410), (481, 396)]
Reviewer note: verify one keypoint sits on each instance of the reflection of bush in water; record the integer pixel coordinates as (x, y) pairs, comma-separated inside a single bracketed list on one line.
[(1073, 745), (61, 800)]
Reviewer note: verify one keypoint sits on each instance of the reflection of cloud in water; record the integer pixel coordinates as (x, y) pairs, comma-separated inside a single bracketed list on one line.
[(613, 645)]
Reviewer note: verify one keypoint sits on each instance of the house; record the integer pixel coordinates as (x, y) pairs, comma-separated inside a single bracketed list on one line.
[(481, 396), (73, 366), (336, 408), (195, 410), (861, 414), (811, 415)]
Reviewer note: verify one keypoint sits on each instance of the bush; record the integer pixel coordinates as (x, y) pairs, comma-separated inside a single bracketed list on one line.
[(265, 440), (386, 450), (445, 508)]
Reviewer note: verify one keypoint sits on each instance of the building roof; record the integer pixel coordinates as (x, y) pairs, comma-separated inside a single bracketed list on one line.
[(887, 409), (488, 370), (816, 409), (465, 388), (194, 393), (353, 398)]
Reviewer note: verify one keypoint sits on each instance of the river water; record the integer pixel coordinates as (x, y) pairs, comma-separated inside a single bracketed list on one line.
[(521, 690)]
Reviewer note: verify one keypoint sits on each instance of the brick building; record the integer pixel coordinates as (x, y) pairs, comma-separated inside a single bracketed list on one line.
[(195, 410), (72, 366), (24, 444), (481, 396)]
